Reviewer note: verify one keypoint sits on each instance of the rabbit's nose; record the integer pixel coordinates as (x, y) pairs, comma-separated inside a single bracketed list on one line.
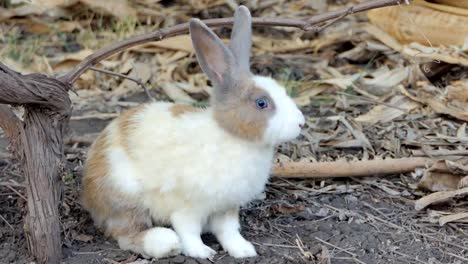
[(302, 125)]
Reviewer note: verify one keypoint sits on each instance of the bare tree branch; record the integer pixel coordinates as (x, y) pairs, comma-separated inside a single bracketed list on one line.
[(39, 145), (303, 24), (36, 89)]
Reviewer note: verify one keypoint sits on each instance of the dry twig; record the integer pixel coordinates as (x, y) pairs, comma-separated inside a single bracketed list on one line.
[(354, 256), (137, 81), (348, 169), (439, 197)]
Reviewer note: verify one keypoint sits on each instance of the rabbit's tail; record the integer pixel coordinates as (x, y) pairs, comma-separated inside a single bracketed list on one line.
[(156, 242), (132, 231), (131, 226)]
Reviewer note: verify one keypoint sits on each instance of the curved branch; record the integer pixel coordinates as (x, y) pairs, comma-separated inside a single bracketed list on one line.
[(303, 24), (35, 89)]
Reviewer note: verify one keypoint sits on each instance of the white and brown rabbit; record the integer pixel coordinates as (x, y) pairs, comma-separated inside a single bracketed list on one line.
[(191, 168)]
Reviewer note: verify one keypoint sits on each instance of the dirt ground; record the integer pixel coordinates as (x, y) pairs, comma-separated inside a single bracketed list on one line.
[(361, 220), (347, 83), (348, 221)]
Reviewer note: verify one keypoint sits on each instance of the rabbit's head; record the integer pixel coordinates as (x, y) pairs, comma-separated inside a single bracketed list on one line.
[(251, 107)]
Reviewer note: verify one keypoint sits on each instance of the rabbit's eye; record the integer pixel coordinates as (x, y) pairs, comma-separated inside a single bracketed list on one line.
[(261, 103)]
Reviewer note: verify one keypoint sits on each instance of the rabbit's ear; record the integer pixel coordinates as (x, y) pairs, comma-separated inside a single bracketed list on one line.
[(241, 37), (215, 59)]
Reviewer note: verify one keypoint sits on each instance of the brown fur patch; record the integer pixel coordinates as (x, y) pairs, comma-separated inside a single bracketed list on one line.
[(240, 117), (95, 170), (114, 212), (126, 221), (180, 109), (126, 124)]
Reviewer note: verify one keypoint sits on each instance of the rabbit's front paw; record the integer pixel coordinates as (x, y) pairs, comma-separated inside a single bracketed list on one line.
[(241, 248), (198, 250)]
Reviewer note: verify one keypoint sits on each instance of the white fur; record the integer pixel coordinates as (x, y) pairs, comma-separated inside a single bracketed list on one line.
[(115, 154), (119, 174), (188, 224), (161, 242), (191, 169), (187, 162), (226, 228), (288, 119)]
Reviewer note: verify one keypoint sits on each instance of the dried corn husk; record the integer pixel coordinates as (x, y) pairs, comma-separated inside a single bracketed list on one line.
[(441, 24)]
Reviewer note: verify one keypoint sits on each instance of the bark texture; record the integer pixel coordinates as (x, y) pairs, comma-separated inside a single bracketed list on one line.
[(38, 143)]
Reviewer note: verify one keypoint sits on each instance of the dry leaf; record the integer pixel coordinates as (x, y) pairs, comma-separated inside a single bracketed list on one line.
[(457, 3), (384, 114), (118, 8), (360, 53), (446, 7), (342, 82), (287, 208), (431, 96), (35, 25), (142, 72), (439, 197), (459, 217), (458, 91), (457, 167), (264, 44), (439, 181), (441, 27), (303, 98), (190, 88), (83, 238), (463, 182), (127, 66), (176, 93), (383, 81), (54, 3), (356, 131), (324, 257), (444, 175), (68, 60), (49, 8), (417, 52)]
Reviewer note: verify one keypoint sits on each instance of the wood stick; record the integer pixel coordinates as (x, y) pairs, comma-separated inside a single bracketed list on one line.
[(348, 169), (439, 197), (459, 217)]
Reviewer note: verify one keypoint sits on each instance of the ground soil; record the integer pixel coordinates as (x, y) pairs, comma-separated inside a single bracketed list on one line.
[(341, 220)]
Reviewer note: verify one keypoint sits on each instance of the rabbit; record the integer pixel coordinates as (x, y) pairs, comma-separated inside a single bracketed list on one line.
[(188, 170)]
